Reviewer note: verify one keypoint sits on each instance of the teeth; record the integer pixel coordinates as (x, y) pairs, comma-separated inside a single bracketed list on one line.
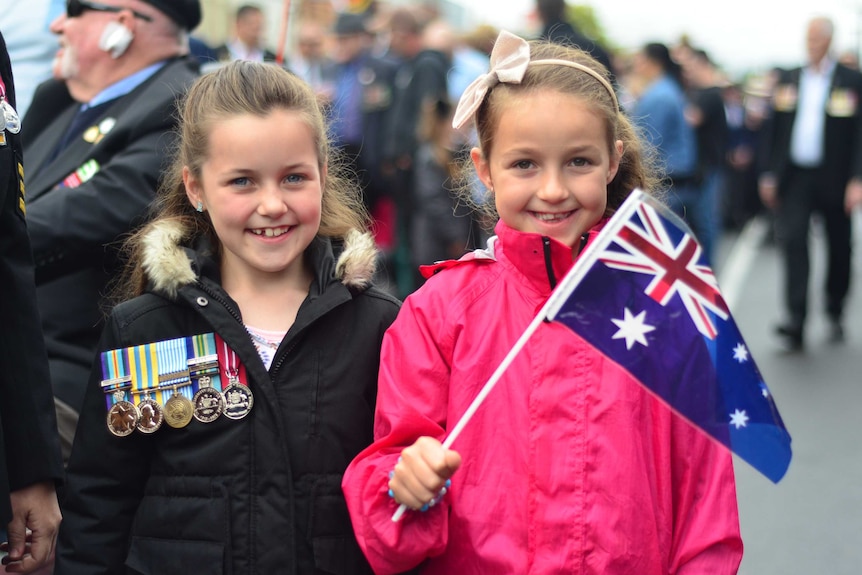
[(270, 232), (551, 217)]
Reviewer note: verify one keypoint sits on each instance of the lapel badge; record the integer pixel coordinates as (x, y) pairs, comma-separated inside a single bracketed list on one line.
[(91, 134), (94, 134)]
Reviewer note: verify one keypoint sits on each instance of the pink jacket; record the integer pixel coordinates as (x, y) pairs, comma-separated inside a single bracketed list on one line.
[(570, 466)]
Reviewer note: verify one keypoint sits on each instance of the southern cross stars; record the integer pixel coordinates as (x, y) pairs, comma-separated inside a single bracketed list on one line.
[(632, 328), (739, 418)]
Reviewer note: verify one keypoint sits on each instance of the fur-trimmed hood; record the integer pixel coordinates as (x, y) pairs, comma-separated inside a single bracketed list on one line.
[(168, 267)]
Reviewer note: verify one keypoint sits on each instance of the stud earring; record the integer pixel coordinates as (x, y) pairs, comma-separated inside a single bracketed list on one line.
[(200, 206)]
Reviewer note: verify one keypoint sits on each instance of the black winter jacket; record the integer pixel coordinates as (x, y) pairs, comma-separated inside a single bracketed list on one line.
[(256, 495)]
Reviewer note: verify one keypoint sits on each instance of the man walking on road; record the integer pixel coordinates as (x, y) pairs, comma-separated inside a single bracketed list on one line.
[(813, 164)]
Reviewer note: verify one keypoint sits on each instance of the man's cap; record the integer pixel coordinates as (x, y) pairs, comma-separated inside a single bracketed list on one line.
[(186, 13), (349, 23)]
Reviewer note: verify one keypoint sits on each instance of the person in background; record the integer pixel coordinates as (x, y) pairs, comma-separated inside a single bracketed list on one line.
[(556, 28), (812, 164), (249, 33), (257, 247), (312, 62), (96, 141), (706, 113), (441, 224), (570, 464), (659, 111), (364, 85), (30, 43), (746, 107), (422, 76), (30, 462)]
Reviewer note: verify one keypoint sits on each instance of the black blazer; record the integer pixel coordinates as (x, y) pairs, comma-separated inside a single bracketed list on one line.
[(86, 200), (29, 447), (842, 140)]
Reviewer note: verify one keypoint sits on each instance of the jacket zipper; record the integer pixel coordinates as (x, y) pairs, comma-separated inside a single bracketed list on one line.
[(281, 357), (549, 266), (235, 314)]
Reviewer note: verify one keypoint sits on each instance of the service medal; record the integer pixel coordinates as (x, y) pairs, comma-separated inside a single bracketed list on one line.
[(10, 117), (152, 415), (178, 410), (238, 400), (123, 417), (209, 402)]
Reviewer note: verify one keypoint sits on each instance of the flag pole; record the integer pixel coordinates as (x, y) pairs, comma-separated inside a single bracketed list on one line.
[(483, 393), (282, 37), (551, 307)]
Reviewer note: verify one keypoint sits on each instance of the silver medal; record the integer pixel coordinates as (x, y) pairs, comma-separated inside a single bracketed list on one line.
[(238, 400), (10, 116)]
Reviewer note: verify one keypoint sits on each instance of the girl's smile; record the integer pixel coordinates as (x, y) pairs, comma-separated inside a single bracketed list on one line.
[(550, 165)]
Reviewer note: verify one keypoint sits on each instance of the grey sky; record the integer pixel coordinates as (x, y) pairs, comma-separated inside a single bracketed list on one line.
[(740, 35)]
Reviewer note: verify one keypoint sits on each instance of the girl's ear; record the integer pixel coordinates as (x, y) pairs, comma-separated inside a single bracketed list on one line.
[(616, 158), (193, 187), (483, 170)]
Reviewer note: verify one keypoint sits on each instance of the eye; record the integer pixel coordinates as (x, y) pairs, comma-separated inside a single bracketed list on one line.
[(522, 165), (580, 162), (241, 181), (294, 178)]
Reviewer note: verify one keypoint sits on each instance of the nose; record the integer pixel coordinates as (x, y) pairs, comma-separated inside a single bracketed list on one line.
[(553, 187), (56, 26), (272, 202)]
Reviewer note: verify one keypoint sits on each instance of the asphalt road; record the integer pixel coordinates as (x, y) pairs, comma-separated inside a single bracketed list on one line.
[(810, 523)]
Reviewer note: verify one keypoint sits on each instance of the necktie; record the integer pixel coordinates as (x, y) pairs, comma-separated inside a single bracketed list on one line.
[(82, 120)]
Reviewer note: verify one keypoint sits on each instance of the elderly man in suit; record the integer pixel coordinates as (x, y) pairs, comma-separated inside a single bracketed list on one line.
[(812, 163), (97, 137), (29, 451)]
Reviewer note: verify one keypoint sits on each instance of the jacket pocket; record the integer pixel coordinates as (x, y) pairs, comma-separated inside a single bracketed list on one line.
[(176, 512), (151, 556)]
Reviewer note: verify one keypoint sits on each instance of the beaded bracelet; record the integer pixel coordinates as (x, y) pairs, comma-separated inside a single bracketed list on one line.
[(434, 501)]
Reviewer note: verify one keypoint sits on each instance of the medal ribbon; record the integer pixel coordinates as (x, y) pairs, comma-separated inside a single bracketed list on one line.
[(173, 366), (115, 376), (229, 362), (199, 347), (137, 369)]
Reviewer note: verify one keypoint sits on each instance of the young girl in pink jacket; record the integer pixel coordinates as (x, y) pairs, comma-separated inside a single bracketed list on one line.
[(570, 465)]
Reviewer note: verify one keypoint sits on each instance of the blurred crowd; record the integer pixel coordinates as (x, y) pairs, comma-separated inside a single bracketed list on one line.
[(389, 77)]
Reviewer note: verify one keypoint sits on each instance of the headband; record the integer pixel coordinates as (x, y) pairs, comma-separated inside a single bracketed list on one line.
[(509, 60)]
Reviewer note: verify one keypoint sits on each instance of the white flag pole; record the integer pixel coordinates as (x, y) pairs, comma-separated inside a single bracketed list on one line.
[(549, 310), (483, 393)]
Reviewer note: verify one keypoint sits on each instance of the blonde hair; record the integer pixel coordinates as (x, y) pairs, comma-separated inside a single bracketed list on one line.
[(637, 164), (240, 88)]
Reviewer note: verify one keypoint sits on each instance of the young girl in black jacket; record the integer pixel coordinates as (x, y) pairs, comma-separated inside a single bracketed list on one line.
[(239, 379)]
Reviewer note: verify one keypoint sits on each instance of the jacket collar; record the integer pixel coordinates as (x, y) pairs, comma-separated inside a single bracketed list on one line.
[(541, 259), (169, 265)]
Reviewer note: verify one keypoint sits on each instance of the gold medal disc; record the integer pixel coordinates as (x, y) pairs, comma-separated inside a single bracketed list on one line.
[(178, 411)]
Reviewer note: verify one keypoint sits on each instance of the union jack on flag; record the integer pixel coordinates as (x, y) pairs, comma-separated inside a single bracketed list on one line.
[(650, 249), (643, 296)]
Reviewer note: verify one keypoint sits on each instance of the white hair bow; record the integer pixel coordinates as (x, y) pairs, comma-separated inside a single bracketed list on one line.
[(509, 60)]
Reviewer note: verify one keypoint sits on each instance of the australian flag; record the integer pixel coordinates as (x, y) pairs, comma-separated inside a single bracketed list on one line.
[(643, 296)]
